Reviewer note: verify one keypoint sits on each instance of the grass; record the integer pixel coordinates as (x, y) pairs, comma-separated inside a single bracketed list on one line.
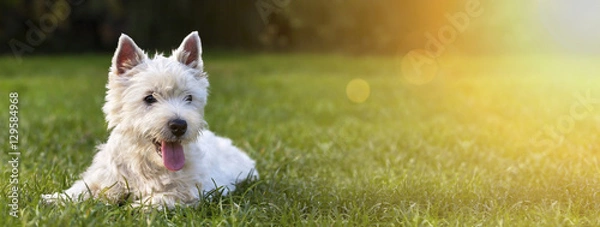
[(488, 142)]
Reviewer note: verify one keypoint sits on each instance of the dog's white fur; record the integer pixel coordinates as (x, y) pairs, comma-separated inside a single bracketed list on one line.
[(129, 165)]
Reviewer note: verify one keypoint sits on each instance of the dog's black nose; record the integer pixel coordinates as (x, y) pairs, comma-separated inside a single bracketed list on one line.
[(178, 127)]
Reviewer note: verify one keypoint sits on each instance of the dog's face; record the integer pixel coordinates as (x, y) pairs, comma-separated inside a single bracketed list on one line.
[(158, 102)]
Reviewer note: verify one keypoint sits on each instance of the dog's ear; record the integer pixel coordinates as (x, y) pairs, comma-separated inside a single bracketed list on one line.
[(127, 55), (190, 51)]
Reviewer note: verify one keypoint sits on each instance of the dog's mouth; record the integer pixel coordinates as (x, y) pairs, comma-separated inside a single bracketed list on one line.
[(171, 153)]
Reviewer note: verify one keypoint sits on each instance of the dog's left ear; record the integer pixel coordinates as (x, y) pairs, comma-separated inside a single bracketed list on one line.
[(190, 51)]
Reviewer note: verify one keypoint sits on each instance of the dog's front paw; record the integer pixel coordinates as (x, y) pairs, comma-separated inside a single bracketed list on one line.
[(54, 198)]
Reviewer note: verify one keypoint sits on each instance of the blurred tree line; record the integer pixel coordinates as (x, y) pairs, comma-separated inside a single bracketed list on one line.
[(95, 25), (350, 26)]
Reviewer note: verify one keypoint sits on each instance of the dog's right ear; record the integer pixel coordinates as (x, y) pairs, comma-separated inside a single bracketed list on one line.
[(127, 56)]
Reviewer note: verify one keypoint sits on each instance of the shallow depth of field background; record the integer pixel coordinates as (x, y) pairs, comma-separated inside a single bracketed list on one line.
[(418, 113)]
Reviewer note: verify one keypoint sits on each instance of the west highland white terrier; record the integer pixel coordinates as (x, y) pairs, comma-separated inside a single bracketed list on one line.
[(159, 152)]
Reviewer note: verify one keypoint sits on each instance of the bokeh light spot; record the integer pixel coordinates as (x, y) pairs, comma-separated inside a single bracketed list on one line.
[(358, 90)]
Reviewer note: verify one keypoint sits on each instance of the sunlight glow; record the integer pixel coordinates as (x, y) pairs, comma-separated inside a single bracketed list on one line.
[(575, 24)]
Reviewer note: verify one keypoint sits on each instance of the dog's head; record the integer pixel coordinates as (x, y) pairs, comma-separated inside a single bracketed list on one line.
[(159, 101)]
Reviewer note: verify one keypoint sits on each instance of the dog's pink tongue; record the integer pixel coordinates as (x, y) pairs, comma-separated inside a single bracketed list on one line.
[(173, 157)]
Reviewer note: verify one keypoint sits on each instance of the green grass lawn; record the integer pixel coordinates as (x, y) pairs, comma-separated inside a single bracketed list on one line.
[(490, 141)]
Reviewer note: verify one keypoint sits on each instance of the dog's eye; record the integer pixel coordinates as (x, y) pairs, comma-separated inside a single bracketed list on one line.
[(149, 99), (188, 98)]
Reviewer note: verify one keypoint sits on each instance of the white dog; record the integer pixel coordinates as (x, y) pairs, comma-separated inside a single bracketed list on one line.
[(159, 152)]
